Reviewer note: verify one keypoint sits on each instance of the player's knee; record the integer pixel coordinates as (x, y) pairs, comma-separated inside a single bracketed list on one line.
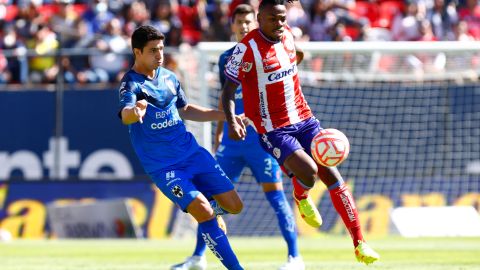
[(307, 174), (236, 207), (200, 210)]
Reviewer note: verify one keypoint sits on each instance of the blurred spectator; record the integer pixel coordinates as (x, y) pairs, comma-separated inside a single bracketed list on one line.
[(426, 32), (470, 13), (406, 27), (5, 75), (113, 60), (461, 32), (135, 15), (62, 22), (77, 67), (194, 20), (27, 21), (17, 64), (43, 69), (97, 16), (234, 3), (322, 22), (442, 18), (167, 22), (218, 29), (297, 20), (343, 10)]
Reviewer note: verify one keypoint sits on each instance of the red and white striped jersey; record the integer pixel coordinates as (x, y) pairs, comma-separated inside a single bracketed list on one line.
[(268, 73)]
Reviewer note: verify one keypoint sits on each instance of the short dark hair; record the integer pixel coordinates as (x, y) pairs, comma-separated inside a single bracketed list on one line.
[(143, 34), (241, 10), (265, 3)]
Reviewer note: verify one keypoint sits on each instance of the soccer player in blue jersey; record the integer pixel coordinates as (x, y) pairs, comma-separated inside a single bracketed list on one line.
[(153, 104), (234, 156)]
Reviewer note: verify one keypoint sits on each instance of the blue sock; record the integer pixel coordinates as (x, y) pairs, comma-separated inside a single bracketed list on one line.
[(200, 246), (285, 218), (217, 242)]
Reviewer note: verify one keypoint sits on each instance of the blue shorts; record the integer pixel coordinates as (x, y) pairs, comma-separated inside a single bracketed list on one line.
[(233, 158), (199, 173), (282, 142)]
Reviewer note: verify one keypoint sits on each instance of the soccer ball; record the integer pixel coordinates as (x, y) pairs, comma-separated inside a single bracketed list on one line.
[(330, 147)]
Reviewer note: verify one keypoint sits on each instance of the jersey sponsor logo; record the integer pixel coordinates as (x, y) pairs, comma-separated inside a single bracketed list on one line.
[(349, 206), (263, 105), (163, 114), (266, 141), (278, 76), (235, 61), (269, 54), (272, 66), (164, 124), (170, 175), (177, 191), (238, 50)]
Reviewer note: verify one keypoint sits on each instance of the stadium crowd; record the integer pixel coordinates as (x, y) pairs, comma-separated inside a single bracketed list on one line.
[(97, 31)]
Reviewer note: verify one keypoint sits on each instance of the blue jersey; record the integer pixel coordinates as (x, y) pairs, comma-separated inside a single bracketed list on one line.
[(252, 135), (162, 140)]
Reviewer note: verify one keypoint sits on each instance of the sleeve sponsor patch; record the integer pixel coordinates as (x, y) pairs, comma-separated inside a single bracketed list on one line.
[(234, 63)]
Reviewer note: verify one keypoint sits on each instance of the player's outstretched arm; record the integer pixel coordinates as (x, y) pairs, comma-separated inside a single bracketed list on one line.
[(236, 129), (133, 114), (200, 114)]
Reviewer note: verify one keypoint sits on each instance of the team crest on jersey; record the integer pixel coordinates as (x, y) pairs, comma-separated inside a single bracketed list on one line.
[(177, 191), (246, 66), (276, 152)]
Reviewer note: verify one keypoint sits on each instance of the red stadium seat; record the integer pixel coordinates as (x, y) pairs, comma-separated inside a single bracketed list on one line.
[(387, 11), (47, 10), (80, 8), (366, 9), (352, 32), (10, 13)]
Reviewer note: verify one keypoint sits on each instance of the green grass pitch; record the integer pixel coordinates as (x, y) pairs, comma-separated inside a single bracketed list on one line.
[(325, 252)]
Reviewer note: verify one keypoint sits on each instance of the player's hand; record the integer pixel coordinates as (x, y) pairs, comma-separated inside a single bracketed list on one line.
[(140, 109), (237, 130), (244, 120)]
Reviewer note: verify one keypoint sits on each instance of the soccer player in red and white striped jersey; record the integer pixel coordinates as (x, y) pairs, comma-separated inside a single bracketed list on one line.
[(265, 64)]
